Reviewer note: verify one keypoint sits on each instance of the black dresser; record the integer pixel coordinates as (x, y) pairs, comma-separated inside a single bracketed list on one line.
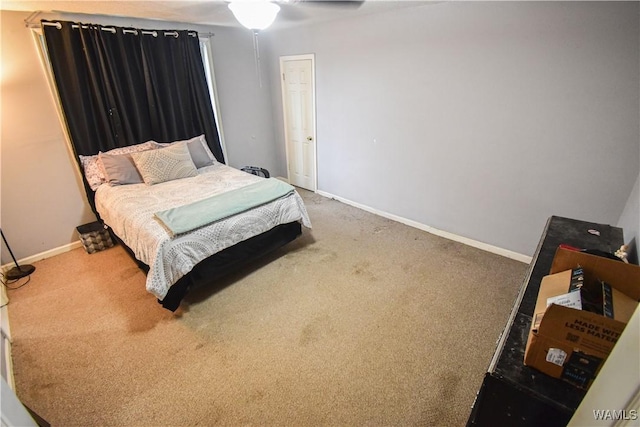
[(516, 395)]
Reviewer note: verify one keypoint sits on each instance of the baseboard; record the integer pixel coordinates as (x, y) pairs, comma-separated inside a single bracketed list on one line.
[(469, 242), (43, 255)]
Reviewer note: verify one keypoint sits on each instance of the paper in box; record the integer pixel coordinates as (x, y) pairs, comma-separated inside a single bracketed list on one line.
[(572, 344)]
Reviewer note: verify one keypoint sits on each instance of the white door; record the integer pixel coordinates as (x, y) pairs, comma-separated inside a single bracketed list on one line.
[(298, 92)]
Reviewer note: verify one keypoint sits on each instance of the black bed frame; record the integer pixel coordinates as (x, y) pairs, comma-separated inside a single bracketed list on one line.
[(229, 260)]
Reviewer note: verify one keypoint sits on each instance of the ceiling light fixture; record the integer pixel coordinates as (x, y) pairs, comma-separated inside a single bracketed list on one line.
[(254, 14)]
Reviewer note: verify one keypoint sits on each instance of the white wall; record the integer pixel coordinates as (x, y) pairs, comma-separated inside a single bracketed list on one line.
[(487, 117), (617, 387)]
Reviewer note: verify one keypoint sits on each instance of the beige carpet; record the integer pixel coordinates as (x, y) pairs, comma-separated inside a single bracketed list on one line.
[(361, 321)]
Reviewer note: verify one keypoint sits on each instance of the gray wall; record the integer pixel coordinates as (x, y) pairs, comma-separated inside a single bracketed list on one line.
[(41, 193), (630, 222), (248, 122), (488, 117)]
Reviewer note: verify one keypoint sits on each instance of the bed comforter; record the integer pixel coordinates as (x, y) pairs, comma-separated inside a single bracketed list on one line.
[(130, 211)]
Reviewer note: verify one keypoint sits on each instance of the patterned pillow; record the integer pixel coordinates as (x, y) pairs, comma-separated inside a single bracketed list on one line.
[(198, 148), (95, 174), (132, 148), (165, 164), (95, 177)]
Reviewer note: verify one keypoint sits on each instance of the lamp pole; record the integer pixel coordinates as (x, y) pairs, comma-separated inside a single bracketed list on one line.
[(17, 272)]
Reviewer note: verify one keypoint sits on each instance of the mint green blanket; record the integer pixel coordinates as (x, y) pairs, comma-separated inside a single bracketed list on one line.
[(198, 214)]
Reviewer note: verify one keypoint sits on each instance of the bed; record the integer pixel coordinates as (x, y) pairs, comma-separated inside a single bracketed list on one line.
[(186, 218)]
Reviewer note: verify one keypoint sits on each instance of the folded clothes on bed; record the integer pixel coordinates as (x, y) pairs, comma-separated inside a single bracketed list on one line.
[(185, 218)]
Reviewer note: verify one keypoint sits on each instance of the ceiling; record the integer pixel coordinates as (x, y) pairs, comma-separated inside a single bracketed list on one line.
[(211, 12)]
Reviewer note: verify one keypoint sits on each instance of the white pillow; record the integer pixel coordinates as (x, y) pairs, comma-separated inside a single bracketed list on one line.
[(165, 164)]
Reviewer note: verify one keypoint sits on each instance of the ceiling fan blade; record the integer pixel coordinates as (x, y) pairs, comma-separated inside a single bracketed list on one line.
[(350, 4), (290, 12)]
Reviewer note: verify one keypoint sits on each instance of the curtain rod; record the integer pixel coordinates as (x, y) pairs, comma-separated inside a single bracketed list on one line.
[(31, 23), (112, 29)]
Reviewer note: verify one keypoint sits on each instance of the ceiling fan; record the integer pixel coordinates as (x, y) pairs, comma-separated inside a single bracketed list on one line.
[(259, 14)]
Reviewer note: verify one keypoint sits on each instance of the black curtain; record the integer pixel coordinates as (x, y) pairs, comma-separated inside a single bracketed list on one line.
[(124, 86)]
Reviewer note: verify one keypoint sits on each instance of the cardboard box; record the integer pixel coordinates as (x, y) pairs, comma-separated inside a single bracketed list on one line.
[(572, 344)]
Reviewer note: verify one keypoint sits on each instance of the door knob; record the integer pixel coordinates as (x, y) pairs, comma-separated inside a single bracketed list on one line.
[(309, 138)]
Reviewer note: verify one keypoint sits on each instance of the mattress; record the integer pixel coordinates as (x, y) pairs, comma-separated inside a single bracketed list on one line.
[(130, 211)]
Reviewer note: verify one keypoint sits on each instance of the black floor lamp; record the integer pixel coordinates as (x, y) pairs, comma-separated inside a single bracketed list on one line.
[(19, 271)]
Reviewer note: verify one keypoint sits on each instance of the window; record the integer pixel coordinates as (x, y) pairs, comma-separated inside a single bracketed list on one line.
[(207, 60)]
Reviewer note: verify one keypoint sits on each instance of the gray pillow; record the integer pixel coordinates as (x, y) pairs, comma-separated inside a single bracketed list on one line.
[(119, 169), (198, 153), (165, 164)]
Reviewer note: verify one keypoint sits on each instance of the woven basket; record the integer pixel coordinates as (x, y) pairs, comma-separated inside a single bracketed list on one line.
[(95, 237)]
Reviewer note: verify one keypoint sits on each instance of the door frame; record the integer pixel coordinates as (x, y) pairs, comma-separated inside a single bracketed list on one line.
[(312, 57)]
